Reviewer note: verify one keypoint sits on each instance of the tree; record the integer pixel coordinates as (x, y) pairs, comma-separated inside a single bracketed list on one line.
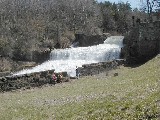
[(150, 5), (158, 5), (116, 17)]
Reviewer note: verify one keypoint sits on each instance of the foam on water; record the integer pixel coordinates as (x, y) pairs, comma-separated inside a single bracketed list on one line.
[(67, 59)]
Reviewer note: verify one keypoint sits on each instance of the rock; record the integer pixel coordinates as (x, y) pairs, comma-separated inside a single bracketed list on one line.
[(115, 74), (106, 35), (120, 61), (96, 68), (41, 55), (86, 40)]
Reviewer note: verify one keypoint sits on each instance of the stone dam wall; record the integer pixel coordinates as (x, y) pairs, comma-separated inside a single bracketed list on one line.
[(27, 81), (96, 68)]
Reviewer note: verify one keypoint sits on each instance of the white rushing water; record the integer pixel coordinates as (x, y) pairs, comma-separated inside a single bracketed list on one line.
[(67, 59)]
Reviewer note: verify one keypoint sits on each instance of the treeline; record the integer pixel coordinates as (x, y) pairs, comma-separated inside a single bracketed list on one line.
[(28, 25)]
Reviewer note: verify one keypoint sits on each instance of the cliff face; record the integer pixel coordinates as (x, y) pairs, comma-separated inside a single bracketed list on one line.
[(143, 42)]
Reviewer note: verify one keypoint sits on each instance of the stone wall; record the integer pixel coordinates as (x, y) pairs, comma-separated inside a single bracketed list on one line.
[(142, 42), (27, 81), (96, 68), (38, 79)]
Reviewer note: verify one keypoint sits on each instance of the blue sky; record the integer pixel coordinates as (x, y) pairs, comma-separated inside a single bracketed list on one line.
[(134, 3)]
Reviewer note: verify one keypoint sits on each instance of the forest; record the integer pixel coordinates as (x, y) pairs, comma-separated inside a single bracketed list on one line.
[(30, 25)]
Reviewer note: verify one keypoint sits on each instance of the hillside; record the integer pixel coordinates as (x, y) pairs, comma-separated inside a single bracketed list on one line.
[(133, 94)]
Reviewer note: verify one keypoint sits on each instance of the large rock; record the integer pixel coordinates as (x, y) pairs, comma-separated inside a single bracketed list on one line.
[(89, 40), (41, 55)]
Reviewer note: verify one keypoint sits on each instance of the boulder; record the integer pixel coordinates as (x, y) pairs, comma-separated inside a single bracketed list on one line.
[(89, 40), (41, 55)]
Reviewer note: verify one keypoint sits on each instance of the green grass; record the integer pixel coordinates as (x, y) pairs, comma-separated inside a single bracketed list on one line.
[(133, 94)]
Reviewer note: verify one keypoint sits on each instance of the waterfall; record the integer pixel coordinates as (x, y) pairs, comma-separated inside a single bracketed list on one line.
[(67, 59)]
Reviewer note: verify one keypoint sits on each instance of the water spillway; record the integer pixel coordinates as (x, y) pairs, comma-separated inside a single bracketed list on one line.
[(67, 59)]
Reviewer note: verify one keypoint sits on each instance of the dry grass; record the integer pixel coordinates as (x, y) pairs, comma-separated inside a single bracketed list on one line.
[(133, 94)]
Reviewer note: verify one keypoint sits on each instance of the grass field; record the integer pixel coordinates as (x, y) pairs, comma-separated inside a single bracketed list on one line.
[(133, 94)]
